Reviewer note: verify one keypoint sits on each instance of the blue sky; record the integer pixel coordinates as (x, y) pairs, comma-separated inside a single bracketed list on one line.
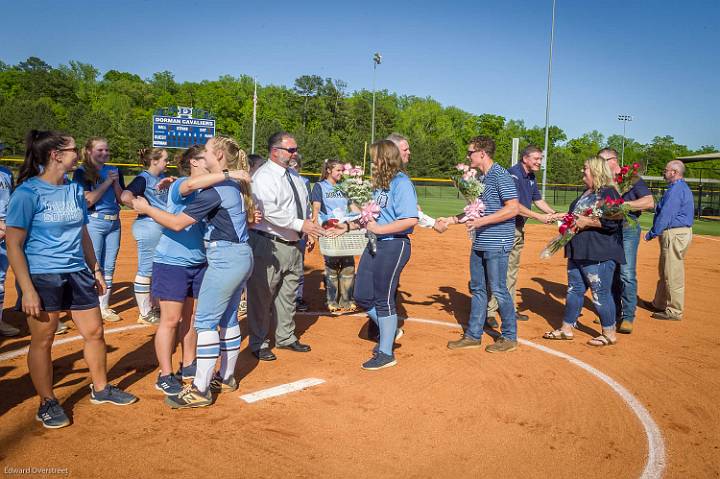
[(656, 60)]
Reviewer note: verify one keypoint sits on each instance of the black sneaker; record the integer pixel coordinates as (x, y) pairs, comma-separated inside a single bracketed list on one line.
[(169, 385), (52, 415), (379, 360), (189, 397), (111, 395)]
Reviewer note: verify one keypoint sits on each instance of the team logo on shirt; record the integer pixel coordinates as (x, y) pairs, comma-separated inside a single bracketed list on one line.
[(60, 212), (382, 199)]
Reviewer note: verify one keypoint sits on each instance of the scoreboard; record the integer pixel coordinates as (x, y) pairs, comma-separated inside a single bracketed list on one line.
[(181, 132)]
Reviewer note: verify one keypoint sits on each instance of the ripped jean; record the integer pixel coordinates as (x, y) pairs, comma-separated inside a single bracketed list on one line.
[(598, 276)]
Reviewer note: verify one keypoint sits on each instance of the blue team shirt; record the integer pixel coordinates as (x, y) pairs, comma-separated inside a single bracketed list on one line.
[(107, 204), (145, 185), (499, 188), (181, 248), (527, 190), (397, 203), (329, 198), (53, 217), (6, 187), (639, 190), (224, 208), (676, 209)]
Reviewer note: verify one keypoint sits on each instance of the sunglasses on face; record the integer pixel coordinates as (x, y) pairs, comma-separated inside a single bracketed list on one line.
[(74, 149), (292, 151)]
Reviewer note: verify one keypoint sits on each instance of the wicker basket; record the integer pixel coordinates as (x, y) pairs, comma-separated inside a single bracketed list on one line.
[(351, 243)]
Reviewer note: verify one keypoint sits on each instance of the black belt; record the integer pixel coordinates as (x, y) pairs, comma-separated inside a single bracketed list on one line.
[(389, 237), (275, 237)]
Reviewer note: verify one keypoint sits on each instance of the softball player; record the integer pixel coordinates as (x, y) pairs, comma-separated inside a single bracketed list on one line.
[(152, 185), (6, 187), (378, 274)]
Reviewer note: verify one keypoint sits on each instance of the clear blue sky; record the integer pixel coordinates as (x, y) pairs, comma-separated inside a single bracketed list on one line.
[(658, 60)]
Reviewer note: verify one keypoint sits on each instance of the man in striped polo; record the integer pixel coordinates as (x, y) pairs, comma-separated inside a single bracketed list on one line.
[(494, 239)]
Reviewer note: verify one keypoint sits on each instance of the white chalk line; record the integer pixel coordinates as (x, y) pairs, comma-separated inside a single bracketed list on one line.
[(59, 342), (708, 237), (281, 390), (654, 466)]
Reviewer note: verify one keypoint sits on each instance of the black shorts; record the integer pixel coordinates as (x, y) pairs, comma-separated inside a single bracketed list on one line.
[(175, 283), (65, 291)]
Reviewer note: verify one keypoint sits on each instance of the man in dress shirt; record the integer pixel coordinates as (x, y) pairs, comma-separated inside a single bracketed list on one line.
[(672, 224), (281, 196)]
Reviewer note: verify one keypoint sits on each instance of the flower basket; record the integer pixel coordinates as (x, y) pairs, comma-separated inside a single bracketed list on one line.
[(351, 243)]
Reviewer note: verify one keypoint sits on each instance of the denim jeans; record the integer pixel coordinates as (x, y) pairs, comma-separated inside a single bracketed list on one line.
[(625, 280), (489, 269), (229, 267), (598, 277), (147, 233), (105, 236)]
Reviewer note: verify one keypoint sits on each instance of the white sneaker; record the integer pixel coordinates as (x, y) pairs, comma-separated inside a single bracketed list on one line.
[(7, 330), (399, 333), (151, 318), (62, 328), (110, 315)]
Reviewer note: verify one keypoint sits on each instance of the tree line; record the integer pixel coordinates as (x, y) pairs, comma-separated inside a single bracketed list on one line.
[(327, 119)]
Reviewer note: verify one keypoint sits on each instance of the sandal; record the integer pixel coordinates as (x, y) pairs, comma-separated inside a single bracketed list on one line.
[(558, 334), (601, 341)]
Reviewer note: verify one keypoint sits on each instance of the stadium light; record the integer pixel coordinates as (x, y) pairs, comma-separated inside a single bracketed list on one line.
[(624, 119), (377, 59)]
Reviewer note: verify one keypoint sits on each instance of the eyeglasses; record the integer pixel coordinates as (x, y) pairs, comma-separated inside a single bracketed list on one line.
[(611, 158), (74, 149), (470, 152), (669, 170), (292, 151)]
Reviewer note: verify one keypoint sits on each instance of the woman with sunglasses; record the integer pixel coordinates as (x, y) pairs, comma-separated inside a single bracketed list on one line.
[(52, 256)]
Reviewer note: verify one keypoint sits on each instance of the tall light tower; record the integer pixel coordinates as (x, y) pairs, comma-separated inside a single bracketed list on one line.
[(547, 102), (254, 120), (377, 59), (624, 119)]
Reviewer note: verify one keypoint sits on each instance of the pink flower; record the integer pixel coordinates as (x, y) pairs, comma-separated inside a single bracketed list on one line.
[(474, 210), (473, 172), (460, 167), (369, 212)]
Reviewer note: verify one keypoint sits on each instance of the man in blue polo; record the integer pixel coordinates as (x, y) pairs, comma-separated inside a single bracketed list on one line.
[(523, 174), (673, 226), (494, 239)]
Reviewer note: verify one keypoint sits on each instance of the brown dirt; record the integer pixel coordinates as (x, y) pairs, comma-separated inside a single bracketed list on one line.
[(437, 414)]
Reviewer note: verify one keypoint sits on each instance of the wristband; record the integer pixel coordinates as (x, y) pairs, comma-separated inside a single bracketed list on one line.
[(348, 226)]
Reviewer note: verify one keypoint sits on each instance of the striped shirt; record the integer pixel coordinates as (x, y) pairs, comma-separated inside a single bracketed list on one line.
[(499, 188)]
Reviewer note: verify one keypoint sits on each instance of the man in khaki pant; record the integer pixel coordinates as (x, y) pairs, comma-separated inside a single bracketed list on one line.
[(523, 174), (673, 225)]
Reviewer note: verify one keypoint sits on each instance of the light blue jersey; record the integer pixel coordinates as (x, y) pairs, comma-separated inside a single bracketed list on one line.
[(181, 248), (107, 204), (53, 217), (145, 185), (224, 208), (397, 203), (6, 187), (330, 200)]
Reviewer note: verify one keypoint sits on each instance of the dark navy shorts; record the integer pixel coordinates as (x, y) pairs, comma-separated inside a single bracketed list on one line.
[(65, 291), (175, 283)]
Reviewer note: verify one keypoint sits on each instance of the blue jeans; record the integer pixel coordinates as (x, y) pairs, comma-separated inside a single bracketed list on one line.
[(489, 268), (105, 236), (625, 281), (597, 276), (229, 267), (147, 233)]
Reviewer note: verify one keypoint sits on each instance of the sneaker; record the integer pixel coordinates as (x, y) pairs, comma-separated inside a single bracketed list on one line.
[(110, 315), (7, 330), (333, 307), (491, 322), (502, 345), (111, 395), (217, 384), (189, 397), (152, 318), (399, 333), (170, 385), (465, 342), (379, 361), (187, 373), (52, 415), (301, 306), (242, 309), (62, 328)]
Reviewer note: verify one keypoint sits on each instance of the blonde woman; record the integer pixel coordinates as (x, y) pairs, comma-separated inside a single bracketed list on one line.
[(378, 274), (592, 254)]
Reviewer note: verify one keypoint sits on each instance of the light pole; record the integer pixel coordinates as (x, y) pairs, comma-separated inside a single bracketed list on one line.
[(252, 147), (547, 102), (377, 59), (624, 119)]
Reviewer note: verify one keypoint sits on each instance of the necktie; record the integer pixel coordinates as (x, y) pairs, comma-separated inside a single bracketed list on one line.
[(298, 204)]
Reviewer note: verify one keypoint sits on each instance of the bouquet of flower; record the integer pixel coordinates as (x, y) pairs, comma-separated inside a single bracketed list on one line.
[(359, 191), (627, 177), (567, 227), (616, 209), (468, 183)]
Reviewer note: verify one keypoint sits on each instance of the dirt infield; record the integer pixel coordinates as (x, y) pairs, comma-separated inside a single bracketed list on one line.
[(439, 413)]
